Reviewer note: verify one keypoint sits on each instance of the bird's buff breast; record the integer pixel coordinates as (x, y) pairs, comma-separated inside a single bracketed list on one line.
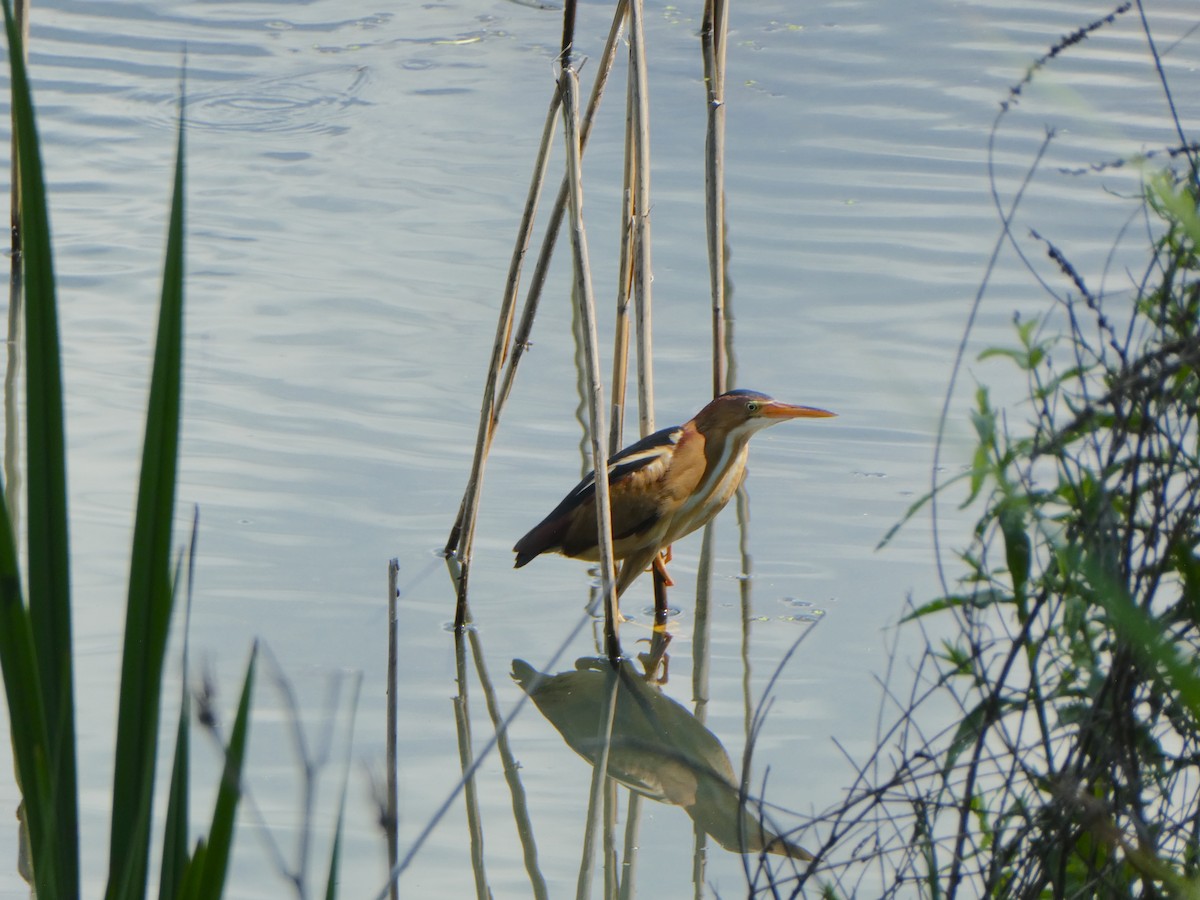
[(699, 509)]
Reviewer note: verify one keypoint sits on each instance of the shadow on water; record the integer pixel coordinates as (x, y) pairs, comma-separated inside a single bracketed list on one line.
[(656, 748)]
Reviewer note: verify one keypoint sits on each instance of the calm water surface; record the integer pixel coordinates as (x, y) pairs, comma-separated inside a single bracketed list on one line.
[(355, 173)]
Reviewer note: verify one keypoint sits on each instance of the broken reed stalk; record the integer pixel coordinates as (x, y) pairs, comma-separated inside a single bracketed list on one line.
[(558, 210), (393, 687), (461, 536), (640, 125), (620, 366), (634, 265), (713, 34), (569, 85)]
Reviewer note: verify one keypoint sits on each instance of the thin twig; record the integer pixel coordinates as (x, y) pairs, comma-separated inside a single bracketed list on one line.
[(393, 687)]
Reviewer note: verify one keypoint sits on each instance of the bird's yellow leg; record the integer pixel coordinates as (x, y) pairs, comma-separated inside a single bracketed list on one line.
[(633, 566), (660, 596), (660, 567)]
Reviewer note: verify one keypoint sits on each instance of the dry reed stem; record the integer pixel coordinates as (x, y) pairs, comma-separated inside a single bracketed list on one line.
[(612, 878), (713, 34), (583, 886), (701, 629), (511, 770), (542, 265), (633, 819), (466, 758), (462, 534), (569, 85), (742, 502), (393, 688), (640, 107), (620, 367)]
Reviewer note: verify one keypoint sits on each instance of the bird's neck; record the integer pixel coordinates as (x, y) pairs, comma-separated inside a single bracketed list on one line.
[(725, 459)]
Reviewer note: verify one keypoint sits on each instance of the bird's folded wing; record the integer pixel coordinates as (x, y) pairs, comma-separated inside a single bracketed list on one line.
[(631, 476)]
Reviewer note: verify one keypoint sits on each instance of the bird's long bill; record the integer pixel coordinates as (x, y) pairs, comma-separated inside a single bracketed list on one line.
[(777, 410)]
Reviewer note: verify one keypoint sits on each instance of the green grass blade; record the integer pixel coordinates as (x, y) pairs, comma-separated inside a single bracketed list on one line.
[(335, 855), (175, 857), (27, 716), (49, 582), (220, 834), (175, 835), (148, 611), (193, 875)]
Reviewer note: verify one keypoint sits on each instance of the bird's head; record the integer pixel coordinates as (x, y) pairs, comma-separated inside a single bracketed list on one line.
[(745, 412)]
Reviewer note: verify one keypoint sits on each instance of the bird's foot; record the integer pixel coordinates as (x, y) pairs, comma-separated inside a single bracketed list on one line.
[(660, 567)]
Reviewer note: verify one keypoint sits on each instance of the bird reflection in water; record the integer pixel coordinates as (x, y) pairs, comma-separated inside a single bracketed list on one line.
[(657, 749), (662, 488)]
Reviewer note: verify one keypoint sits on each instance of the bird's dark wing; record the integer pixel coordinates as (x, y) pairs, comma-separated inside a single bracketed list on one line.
[(650, 453)]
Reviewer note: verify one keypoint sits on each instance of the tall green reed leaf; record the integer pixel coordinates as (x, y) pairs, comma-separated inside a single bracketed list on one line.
[(49, 611), (220, 833), (175, 831), (148, 611), (27, 715), (335, 855)]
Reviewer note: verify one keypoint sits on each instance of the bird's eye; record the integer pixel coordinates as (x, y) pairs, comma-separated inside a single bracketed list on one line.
[(752, 406)]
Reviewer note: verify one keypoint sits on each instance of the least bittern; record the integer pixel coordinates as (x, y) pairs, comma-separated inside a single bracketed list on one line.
[(665, 486)]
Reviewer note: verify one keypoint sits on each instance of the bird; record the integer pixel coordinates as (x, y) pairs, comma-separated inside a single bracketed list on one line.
[(663, 487)]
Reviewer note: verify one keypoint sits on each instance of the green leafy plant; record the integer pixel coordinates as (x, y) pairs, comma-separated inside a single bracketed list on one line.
[(1064, 657), (1079, 642), (35, 634)]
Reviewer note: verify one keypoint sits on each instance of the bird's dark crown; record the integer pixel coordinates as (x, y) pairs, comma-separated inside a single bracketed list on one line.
[(742, 392)]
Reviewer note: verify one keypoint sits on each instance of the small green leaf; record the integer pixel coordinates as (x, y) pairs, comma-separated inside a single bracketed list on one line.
[(971, 729), (977, 600), (220, 834), (1017, 552)]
